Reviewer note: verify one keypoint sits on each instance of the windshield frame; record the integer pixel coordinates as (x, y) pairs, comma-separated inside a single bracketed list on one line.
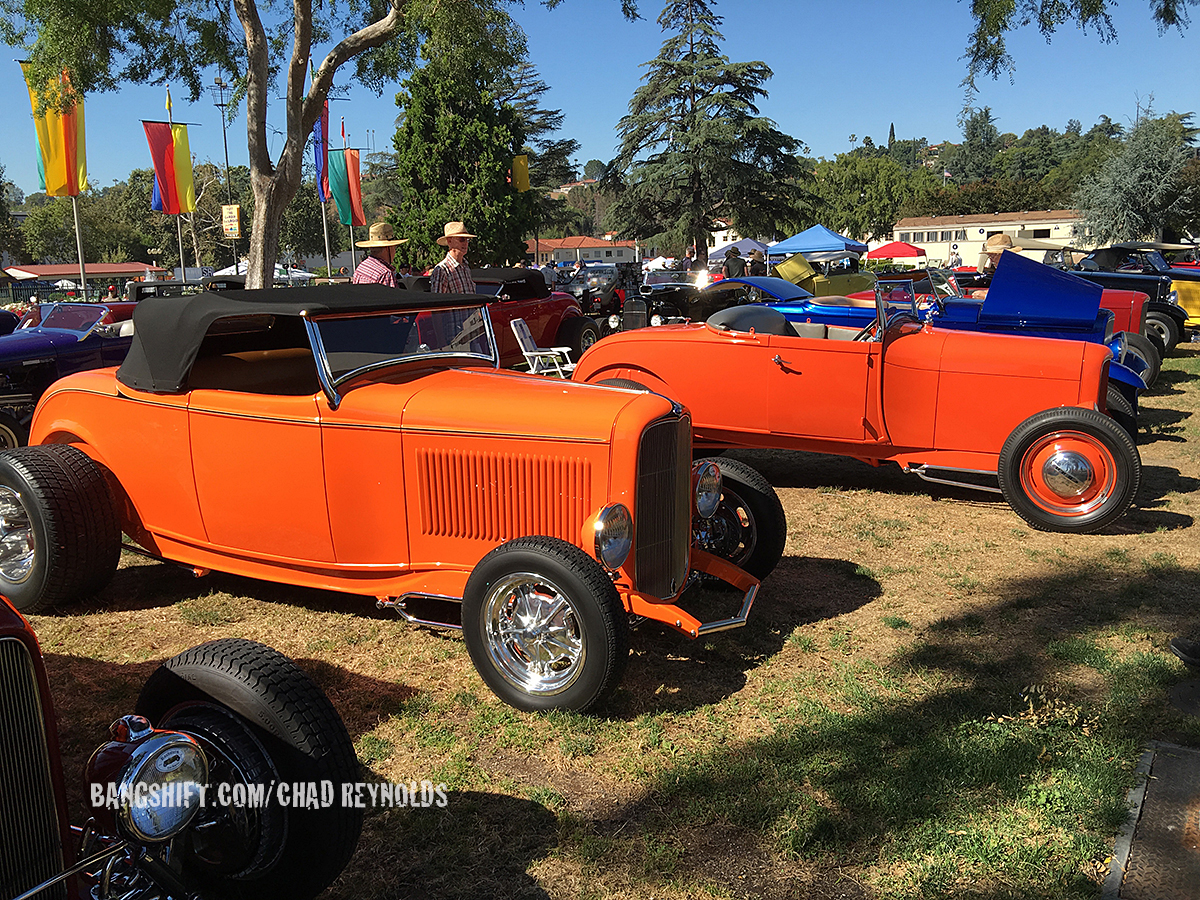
[(43, 315), (330, 383)]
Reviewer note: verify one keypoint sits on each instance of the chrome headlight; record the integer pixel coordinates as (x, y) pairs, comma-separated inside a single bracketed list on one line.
[(706, 485), (614, 322), (656, 319), (160, 789), (1173, 298), (614, 536)]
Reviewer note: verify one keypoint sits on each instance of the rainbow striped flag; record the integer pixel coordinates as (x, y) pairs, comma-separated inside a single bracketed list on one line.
[(62, 160), (321, 152), (174, 192), (345, 187)]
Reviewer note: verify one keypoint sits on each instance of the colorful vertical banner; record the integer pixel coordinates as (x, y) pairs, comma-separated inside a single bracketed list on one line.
[(520, 173), (62, 160), (174, 192), (345, 186), (321, 152)]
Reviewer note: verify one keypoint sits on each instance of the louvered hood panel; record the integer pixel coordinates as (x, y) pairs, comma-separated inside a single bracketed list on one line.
[(496, 494)]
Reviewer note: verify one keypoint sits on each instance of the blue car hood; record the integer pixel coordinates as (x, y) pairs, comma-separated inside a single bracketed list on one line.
[(1028, 292), (778, 288), (31, 343)]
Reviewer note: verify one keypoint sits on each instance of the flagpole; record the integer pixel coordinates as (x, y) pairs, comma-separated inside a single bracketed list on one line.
[(79, 244), (353, 267), (178, 221)]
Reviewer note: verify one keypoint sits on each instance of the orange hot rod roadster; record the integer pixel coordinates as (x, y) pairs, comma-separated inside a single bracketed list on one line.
[(961, 408), (362, 439)]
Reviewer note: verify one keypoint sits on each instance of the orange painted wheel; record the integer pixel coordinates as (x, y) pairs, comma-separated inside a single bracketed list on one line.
[(1069, 470)]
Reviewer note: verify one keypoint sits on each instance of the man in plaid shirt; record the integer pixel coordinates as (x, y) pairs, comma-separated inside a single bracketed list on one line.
[(378, 267), (452, 275)]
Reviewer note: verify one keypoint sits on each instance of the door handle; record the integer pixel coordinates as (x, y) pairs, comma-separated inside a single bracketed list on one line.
[(778, 360)]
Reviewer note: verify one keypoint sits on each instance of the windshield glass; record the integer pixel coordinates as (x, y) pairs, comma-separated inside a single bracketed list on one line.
[(77, 317), (369, 342)]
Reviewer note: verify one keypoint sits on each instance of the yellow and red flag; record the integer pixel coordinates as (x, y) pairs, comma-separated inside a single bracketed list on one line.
[(174, 192), (62, 160)]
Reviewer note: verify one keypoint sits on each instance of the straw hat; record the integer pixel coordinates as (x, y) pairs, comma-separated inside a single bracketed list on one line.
[(731, 252), (998, 243), (453, 229), (756, 254), (381, 235)]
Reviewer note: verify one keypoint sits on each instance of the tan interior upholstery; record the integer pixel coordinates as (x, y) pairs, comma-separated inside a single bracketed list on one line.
[(290, 371)]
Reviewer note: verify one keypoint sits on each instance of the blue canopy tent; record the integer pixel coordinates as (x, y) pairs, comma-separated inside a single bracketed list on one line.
[(817, 244)]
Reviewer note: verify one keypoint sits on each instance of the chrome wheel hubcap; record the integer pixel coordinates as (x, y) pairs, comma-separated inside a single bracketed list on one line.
[(1068, 474), (533, 634), (16, 538)]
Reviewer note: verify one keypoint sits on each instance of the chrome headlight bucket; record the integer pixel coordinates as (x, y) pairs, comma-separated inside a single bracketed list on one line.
[(657, 320), (1173, 298), (614, 535), (706, 488), (157, 779), (614, 322)]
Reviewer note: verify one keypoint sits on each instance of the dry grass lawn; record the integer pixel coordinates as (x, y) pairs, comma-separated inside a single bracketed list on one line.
[(865, 736)]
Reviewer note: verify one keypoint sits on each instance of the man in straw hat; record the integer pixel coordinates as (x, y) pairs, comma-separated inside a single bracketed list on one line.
[(452, 275), (378, 267), (758, 263), (734, 266), (994, 248)]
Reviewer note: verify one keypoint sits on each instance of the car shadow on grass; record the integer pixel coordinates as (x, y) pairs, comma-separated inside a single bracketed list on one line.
[(935, 766), (669, 671)]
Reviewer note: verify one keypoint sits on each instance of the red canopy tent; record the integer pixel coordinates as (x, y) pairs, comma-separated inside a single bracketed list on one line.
[(895, 250)]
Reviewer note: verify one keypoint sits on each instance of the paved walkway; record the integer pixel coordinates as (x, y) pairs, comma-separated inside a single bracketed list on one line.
[(1157, 857)]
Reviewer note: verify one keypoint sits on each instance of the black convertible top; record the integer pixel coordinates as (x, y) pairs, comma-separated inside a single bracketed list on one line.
[(169, 330)]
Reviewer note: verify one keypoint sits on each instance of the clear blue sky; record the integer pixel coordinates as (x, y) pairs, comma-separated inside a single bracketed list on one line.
[(854, 67)]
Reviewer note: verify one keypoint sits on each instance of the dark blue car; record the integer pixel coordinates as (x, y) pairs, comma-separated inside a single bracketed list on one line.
[(53, 340), (1026, 298)]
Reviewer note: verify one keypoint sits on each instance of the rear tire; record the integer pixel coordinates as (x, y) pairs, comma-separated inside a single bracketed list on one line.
[(1069, 470), (578, 333), (261, 719), (749, 528), (59, 536)]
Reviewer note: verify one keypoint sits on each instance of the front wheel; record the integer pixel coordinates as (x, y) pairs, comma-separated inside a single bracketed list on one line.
[(749, 528), (1143, 347), (12, 433), (1165, 327), (262, 724), (1121, 411), (544, 625), (578, 333), (1070, 470)]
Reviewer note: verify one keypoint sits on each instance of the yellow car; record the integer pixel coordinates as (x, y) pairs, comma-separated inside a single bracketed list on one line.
[(838, 283)]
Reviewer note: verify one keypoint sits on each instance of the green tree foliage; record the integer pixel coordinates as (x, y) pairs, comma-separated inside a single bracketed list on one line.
[(693, 147), (975, 158), (10, 236), (863, 196), (593, 168), (1141, 187), (454, 153), (266, 47), (987, 51)]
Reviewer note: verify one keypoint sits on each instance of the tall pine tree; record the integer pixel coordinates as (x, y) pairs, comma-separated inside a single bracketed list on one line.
[(454, 153), (693, 148)]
